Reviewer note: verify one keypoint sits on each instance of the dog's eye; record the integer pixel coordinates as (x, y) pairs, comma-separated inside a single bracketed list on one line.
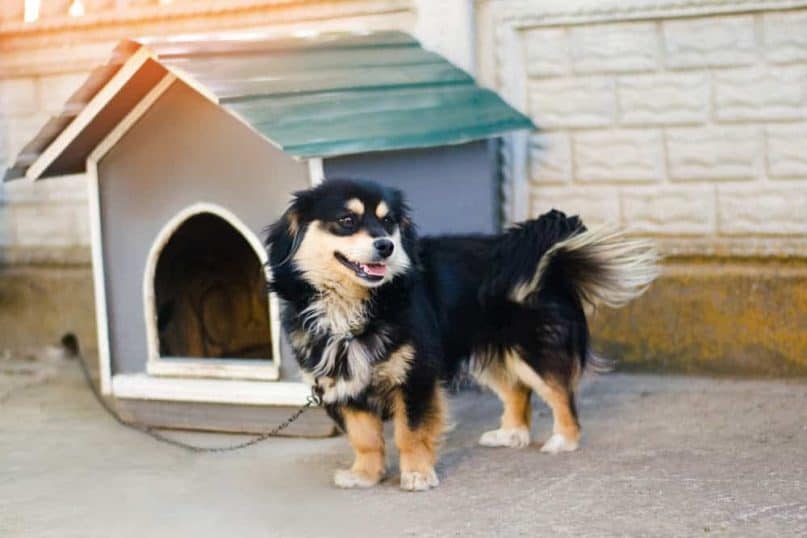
[(348, 221), (388, 221)]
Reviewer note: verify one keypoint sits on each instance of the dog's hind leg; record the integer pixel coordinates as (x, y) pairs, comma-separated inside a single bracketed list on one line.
[(366, 434), (514, 431), (558, 394), (418, 429)]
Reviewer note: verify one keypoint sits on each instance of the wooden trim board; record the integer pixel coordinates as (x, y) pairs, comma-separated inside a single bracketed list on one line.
[(96, 240), (114, 136), (110, 89), (316, 172), (224, 418), (224, 391), (258, 369), (99, 280)]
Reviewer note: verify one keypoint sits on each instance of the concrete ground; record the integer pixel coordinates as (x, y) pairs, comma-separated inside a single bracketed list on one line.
[(661, 456)]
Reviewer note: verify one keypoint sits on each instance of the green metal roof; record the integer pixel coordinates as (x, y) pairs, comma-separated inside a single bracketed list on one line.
[(337, 94), (330, 94)]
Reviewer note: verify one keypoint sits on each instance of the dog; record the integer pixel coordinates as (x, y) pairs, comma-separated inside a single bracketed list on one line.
[(380, 319)]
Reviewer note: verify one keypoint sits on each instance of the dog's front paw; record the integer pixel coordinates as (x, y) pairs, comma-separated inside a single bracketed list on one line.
[(510, 438), (415, 481), (347, 478), (558, 443)]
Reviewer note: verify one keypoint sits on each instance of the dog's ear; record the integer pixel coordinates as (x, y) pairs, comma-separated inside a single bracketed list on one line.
[(409, 234), (284, 236)]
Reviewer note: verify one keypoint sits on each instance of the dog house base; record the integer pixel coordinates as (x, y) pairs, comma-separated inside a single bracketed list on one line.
[(232, 406), (224, 418)]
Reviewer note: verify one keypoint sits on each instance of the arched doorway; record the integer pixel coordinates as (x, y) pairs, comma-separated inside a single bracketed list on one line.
[(208, 313)]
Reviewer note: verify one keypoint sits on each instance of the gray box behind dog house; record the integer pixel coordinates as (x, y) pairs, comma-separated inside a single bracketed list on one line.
[(451, 189)]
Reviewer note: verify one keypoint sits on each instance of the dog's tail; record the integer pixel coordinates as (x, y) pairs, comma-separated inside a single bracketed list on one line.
[(554, 251)]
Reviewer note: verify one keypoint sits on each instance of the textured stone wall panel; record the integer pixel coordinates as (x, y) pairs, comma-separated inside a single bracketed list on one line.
[(758, 93), (696, 125), (547, 52), (621, 47), (785, 36), (618, 155), (709, 41), (714, 153), (551, 158), (763, 209), (787, 150), (672, 98), (681, 210), (596, 206), (573, 102)]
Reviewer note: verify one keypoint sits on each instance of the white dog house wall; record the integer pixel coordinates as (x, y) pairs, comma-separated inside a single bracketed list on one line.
[(192, 145)]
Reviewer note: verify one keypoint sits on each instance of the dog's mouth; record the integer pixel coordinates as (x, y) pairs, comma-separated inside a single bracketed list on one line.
[(372, 272)]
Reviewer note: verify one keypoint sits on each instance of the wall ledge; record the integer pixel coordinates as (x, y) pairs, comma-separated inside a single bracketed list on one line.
[(535, 13)]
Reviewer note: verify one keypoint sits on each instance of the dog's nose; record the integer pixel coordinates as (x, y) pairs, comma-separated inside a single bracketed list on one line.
[(384, 247)]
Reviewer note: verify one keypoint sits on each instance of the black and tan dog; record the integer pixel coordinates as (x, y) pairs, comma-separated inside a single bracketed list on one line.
[(379, 319)]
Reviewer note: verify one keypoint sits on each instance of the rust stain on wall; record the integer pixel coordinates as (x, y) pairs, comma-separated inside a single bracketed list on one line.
[(714, 317)]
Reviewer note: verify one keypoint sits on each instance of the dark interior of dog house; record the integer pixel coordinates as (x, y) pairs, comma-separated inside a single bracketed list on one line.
[(210, 293)]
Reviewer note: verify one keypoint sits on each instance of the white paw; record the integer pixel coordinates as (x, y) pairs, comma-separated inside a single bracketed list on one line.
[(415, 481), (558, 443), (511, 438), (345, 478)]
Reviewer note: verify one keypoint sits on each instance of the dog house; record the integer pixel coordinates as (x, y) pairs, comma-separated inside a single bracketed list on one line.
[(192, 145)]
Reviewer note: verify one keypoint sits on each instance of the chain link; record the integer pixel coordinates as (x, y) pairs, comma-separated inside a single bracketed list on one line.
[(312, 400)]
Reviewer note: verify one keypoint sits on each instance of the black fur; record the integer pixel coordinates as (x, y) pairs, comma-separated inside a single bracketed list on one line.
[(454, 302)]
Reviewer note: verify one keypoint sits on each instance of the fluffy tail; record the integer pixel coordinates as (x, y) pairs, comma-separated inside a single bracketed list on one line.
[(556, 267), (600, 266)]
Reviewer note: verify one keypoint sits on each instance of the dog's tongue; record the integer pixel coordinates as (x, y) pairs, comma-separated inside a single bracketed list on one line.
[(374, 269)]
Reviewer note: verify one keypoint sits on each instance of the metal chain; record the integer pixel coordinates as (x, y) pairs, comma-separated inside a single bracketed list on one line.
[(312, 400)]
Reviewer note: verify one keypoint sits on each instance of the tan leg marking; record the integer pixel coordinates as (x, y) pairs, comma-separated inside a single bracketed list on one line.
[(418, 447), (565, 428), (365, 432), (514, 431)]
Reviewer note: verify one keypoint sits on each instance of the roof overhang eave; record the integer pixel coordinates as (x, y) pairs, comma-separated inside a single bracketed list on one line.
[(40, 166)]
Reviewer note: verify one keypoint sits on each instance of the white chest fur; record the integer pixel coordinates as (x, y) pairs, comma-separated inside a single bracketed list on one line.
[(333, 313), (360, 356)]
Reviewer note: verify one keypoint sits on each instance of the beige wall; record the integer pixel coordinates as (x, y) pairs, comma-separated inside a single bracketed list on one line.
[(685, 119), (682, 120)]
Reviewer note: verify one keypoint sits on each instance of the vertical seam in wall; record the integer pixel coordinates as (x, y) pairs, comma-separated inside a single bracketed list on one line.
[(759, 38), (662, 50)]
